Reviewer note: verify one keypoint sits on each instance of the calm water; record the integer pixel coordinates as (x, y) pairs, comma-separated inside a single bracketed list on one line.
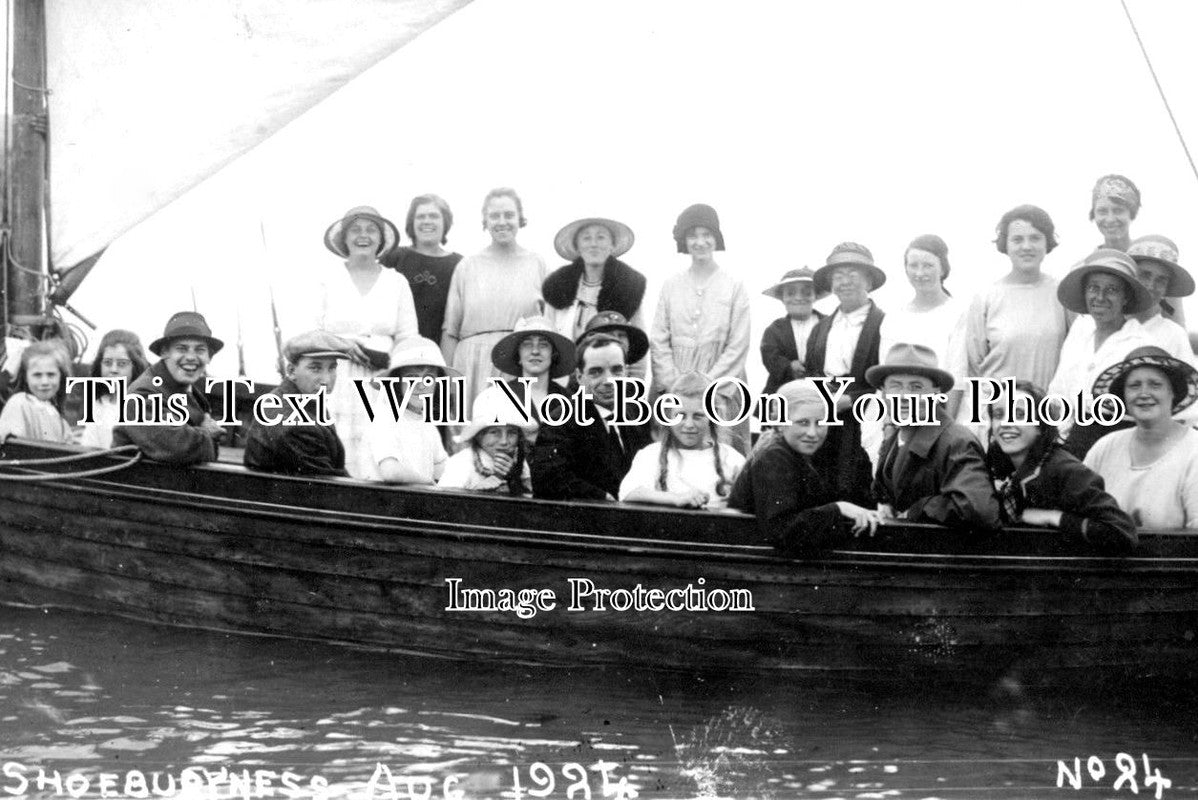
[(86, 695)]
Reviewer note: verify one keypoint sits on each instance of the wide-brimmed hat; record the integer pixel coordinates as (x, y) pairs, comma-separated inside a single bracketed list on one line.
[(910, 359), (801, 275), (849, 254), (186, 325), (492, 407), (316, 344), (1072, 289), (1182, 377), (621, 236), (697, 216), (505, 355), (611, 321), (418, 352), (335, 241), (1163, 251)]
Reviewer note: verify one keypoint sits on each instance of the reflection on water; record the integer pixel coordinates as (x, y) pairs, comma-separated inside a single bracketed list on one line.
[(88, 695)]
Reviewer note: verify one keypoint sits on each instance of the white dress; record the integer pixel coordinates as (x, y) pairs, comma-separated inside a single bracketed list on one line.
[(1163, 494), (1081, 364), (379, 319), (685, 470)]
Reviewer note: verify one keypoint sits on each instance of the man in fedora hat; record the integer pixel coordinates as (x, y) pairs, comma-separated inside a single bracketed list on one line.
[(588, 461), (928, 473), (305, 449), (185, 348)]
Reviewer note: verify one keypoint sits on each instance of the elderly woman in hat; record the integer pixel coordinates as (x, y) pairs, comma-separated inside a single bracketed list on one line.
[(928, 472), (537, 355), (409, 450), (490, 291), (185, 348), (1157, 268), (805, 495), (305, 449), (495, 458), (369, 306), (1114, 202), (784, 343), (427, 265), (702, 319), (1015, 327), (595, 280), (1152, 468), (1108, 295)]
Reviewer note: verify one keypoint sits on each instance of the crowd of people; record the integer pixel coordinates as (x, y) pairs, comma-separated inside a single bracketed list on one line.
[(514, 331)]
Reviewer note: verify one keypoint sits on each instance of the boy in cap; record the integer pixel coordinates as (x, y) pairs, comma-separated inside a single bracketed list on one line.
[(301, 449)]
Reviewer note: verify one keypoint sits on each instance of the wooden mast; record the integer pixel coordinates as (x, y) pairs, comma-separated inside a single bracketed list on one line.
[(25, 266)]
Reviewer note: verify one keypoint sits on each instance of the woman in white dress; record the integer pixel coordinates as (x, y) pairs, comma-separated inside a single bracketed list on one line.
[(490, 291), (372, 308)]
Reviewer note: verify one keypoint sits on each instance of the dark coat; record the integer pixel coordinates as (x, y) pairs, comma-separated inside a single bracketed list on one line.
[(573, 461), (1089, 516), (940, 476), (294, 449), (864, 356), (794, 497), (172, 444), (622, 290), (778, 349)]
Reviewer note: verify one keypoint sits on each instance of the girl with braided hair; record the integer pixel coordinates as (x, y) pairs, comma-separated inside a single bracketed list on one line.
[(689, 467)]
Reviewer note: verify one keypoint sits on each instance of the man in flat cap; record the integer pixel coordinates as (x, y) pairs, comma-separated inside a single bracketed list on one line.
[(304, 449)]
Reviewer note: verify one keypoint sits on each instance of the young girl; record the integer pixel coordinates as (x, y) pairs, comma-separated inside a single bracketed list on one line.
[(35, 409), (1041, 484), (688, 468), (497, 457), (120, 355), (408, 450)]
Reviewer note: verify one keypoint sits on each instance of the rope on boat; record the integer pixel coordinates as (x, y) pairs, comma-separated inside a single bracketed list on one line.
[(133, 453), (1160, 89)]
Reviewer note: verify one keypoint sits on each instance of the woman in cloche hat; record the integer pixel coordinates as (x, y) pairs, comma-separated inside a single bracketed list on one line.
[(784, 343), (1105, 291), (702, 319), (1152, 468), (369, 306)]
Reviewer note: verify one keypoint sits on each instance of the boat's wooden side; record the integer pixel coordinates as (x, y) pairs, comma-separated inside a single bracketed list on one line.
[(222, 548)]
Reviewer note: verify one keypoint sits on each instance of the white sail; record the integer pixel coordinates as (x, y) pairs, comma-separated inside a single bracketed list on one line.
[(149, 97)]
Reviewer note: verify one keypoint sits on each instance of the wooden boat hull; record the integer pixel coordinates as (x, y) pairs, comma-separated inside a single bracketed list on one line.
[(342, 561)]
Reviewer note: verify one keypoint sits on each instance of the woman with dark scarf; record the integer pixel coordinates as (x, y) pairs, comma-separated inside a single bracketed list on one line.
[(1042, 485), (595, 280)]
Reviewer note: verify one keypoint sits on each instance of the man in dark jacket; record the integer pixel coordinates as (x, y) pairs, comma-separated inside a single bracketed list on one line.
[(175, 424), (307, 448), (588, 461)]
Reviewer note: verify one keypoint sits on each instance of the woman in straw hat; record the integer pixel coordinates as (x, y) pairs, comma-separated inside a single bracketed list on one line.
[(784, 343), (495, 458), (1015, 327), (805, 494), (1157, 268), (369, 306), (596, 279), (408, 450), (702, 319), (1108, 295), (490, 291), (1152, 468), (537, 354)]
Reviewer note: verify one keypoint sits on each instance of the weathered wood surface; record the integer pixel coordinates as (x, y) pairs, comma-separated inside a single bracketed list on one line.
[(219, 548)]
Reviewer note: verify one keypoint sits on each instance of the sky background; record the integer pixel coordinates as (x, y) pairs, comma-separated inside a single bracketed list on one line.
[(803, 123)]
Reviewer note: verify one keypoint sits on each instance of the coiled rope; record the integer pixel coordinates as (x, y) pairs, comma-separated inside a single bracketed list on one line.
[(129, 450)]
